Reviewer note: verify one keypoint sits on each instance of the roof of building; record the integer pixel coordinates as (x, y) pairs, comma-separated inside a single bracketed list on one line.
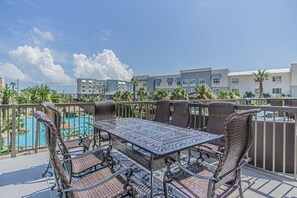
[(195, 70), (271, 71)]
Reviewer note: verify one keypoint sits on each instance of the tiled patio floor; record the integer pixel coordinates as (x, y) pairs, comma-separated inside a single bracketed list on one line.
[(21, 177)]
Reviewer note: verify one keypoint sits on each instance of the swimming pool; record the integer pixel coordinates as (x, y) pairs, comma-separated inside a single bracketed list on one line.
[(29, 139)]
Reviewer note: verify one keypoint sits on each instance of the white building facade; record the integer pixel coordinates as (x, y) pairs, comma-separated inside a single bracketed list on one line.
[(281, 82)]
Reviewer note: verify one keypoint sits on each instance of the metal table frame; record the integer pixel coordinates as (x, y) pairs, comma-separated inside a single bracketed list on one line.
[(130, 129)]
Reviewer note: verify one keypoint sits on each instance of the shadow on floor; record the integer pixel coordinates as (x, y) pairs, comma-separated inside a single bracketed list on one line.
[(44, 193), (24, 176)]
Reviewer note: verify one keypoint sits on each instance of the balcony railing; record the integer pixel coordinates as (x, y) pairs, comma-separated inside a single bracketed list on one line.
[(275, 129)]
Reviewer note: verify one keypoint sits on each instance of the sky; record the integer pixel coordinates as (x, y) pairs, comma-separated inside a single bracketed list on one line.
[(54, 42)]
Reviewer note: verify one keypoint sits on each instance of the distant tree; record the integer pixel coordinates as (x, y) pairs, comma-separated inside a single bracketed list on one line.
[(142, 93), (234, 94), (179, 94), (134, 81), (126, 96), (249, 95), (117, 96), (7, 94), (260, 76), (54, 96), (204, 92), (223, 94), (161, 94), (266, 95)]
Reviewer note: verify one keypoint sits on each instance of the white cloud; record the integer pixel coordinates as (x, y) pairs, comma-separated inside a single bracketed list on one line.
[(41, 37), (105, 35), (12, 72), (40, 65), (101, 66)]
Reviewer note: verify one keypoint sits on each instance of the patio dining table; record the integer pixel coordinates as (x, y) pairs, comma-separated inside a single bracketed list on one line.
[(158, 139)]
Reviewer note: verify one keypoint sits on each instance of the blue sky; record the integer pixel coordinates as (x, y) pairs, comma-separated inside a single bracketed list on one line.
[(54, 42)]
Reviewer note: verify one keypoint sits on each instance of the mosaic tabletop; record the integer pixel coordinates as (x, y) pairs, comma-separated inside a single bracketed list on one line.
[(155, 137)]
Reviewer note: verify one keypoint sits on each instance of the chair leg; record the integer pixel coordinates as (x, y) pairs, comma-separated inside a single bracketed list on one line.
[(240, 189), (165, 186), (46, 170)]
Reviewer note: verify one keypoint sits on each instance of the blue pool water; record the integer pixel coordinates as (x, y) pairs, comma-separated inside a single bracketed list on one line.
[(29, 139)]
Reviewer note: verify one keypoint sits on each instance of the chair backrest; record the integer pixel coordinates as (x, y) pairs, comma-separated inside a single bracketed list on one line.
[(181, 114), (217, 114), (238, 137), (162, 111), (105, 110), (53, 111), (51, 141)]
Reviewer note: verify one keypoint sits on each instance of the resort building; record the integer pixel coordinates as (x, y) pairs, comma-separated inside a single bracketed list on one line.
[(94, 87), (281, 81)]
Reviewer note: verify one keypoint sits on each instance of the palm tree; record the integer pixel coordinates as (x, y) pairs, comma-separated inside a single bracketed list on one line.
[(117, 96), (204, 92), (126, 96), (54, 96), (223, 94), (260, 76), (142, 93), (179, 94), (134, 81), (161, 94)]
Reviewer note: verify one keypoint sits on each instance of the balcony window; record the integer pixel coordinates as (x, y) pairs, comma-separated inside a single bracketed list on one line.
[(144, 84), (202, 81), (192, 83), (157, 82), (185, 82), (257, 90), (178, 81), (169, 81), (216, 81), (277, 90), (235, 81), (277, 79)]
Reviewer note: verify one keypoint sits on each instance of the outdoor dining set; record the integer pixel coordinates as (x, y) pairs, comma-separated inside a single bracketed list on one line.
[(88, 167)]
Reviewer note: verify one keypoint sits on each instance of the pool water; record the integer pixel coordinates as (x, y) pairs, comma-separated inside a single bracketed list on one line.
[(29, 139)]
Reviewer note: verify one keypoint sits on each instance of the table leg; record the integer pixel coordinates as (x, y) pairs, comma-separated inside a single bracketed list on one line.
[(152, 175)]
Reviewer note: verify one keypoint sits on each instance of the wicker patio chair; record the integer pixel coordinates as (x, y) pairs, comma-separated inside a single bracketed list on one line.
[(162, 111), (238, 137), (104, 110), (217, 114), (80, 164), (181, 114), (81, 142), (105, 182)]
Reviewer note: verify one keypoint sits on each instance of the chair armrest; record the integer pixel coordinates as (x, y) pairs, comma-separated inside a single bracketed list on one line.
[(217, 152), (172, 161), (128, 175), (80, 155)]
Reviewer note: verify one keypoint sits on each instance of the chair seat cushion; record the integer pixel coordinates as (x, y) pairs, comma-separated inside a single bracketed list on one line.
[(81, 164), (110, 188), (191, 185), (72, 144)]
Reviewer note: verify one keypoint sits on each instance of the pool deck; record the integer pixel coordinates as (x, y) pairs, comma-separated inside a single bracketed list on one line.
[(21, 177)]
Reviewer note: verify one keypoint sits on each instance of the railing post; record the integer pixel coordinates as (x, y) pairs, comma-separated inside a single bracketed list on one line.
[(13, 131)]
